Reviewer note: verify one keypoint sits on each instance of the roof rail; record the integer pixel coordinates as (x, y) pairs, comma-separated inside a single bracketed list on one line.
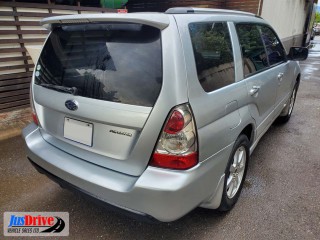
[(191, 10)]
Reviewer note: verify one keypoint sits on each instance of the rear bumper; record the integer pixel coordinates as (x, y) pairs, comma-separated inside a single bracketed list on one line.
[(75, 189), (162, 194)]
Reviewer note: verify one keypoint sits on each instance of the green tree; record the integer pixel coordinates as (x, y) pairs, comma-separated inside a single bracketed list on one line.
[(113, 3), (317, 17)]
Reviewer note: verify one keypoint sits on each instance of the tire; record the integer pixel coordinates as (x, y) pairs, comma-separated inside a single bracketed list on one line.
[(235, 174), (287, 111)]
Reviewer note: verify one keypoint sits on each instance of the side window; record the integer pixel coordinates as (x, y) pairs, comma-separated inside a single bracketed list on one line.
[(213, 54), (253, 51), (275, 51)]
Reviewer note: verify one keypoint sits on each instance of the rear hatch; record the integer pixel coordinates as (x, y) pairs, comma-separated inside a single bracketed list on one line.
[(95, 85)]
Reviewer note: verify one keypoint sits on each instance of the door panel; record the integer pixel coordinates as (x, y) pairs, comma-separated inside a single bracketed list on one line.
[(284, 77), (260, 80), (262, 102), (279, 64)]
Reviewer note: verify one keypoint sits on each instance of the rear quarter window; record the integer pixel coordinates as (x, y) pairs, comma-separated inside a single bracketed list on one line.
[(213, 54), (117, 62)]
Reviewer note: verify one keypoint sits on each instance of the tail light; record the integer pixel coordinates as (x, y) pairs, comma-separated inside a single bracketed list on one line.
[(33, 110), (177, 147)]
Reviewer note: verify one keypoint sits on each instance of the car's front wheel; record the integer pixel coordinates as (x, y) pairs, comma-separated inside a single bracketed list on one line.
[(235, 173)]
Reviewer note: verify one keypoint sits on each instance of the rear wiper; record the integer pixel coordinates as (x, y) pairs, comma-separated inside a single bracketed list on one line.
[(72, 90)]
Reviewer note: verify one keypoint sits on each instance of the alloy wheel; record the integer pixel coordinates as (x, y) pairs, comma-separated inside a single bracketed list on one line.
[(237, 170)]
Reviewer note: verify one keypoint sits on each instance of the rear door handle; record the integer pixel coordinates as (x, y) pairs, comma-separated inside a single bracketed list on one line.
[(254, 90)]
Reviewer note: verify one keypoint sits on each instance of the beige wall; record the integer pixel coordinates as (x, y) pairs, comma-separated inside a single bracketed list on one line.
[(287, 17)]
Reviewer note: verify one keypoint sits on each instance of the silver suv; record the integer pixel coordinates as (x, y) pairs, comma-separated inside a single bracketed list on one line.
[(158, 113)]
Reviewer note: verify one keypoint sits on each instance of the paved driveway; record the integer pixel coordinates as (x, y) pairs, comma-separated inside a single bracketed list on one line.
[(281, 198)]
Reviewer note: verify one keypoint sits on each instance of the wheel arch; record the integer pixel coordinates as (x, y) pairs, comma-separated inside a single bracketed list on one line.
[(248, 131)]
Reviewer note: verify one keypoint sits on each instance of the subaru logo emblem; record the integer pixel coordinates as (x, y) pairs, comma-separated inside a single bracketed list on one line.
[(71, 105)]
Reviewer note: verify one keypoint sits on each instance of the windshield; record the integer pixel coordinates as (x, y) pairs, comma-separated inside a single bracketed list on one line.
[(119, 62)]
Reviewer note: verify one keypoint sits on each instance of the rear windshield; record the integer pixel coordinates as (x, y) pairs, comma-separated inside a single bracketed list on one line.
[(119, 62)]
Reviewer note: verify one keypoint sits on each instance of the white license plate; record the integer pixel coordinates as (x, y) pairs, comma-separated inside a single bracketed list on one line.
[(78, 131)]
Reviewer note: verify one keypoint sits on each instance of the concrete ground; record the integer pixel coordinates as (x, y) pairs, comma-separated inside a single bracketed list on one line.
[(12, 122), (280, 200)]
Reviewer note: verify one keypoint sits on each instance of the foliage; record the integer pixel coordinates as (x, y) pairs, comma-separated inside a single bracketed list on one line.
[(317, 20), (213, 41), (113, 3), (249, 36)]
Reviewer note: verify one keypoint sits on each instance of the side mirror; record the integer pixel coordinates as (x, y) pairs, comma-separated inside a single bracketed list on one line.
[(298, 53)]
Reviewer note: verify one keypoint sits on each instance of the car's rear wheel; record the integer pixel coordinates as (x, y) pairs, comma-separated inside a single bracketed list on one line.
[(235, 173), (287, 111)]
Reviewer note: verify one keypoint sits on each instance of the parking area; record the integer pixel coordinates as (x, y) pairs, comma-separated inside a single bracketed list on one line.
[(280, 199)]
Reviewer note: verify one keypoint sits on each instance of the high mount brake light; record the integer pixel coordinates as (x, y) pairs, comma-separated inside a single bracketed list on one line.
[(177, 146)]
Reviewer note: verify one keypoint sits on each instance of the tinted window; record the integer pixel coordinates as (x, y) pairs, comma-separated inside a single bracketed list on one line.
[(275, 51), (253, 51), (213, 54), (111, 62)]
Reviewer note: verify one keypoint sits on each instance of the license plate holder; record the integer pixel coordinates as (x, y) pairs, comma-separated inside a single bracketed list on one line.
[(78, 131)]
